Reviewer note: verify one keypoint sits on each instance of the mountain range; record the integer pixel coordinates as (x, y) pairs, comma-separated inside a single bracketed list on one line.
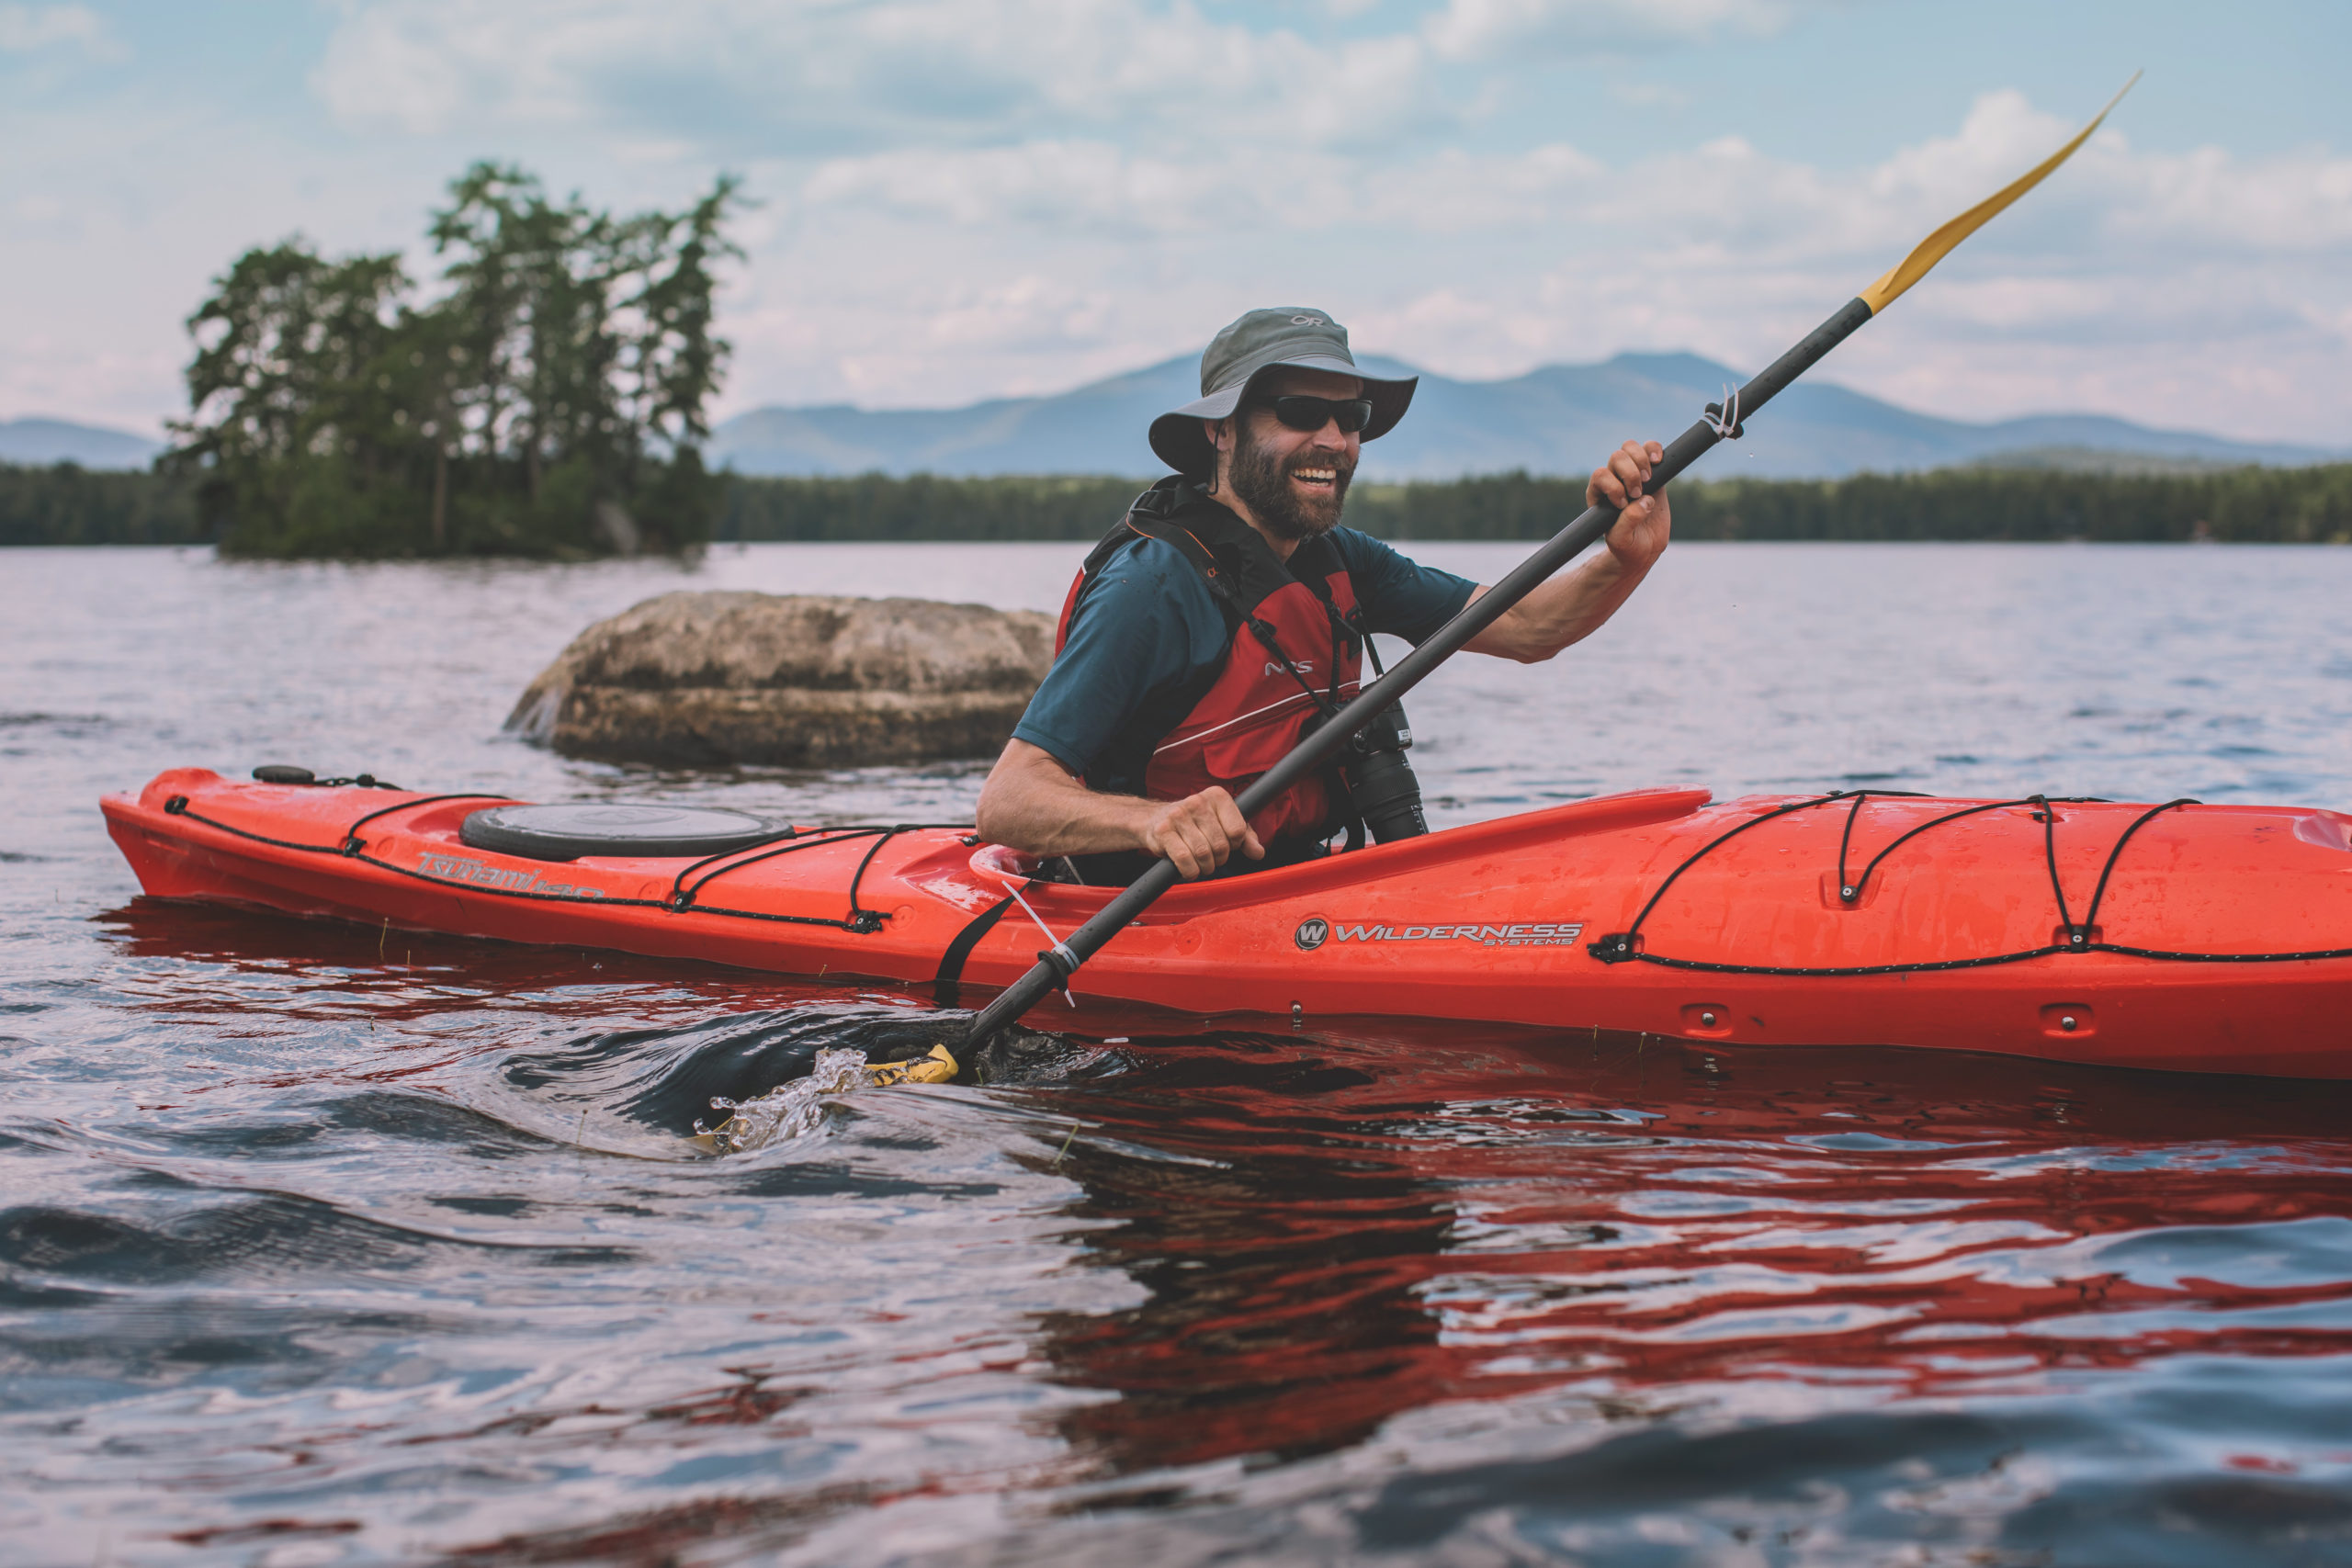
[(42, 441), (1557, 420)]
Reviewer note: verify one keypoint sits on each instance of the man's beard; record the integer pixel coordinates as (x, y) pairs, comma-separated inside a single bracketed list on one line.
[(1260, 481)]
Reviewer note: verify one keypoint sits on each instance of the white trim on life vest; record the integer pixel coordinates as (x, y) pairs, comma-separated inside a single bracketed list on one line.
[(1175, 741)]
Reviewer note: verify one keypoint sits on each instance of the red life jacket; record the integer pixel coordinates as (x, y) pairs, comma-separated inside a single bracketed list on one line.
[(1294, 648)]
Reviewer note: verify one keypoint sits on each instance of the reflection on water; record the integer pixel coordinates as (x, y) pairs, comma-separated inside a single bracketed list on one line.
[(1334, 1294), (321, 1243)]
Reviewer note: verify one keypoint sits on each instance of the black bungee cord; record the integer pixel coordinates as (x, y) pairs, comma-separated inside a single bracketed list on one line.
[(1623, 947)]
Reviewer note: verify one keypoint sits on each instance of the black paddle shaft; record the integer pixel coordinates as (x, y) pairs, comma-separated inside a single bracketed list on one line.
[(1057, 964)]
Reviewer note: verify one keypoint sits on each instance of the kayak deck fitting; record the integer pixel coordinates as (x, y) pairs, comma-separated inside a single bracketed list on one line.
[(2182, 936)]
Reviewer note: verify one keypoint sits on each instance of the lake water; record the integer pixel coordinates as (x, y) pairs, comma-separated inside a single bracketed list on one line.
[(320, 1248)]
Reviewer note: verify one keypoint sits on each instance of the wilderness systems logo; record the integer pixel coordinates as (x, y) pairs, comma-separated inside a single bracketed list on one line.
[(1314, 931), (498, 879)]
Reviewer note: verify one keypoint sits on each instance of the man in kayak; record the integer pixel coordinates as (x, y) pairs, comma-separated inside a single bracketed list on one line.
[(1228, 611)]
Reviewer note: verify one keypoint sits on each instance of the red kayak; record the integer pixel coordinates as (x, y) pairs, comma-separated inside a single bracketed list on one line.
[(2182, 936)]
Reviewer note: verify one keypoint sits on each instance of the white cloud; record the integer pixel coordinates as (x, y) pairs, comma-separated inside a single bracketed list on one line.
[(965, 198), (2298, 203), (815, 75), (1453, 192), (1093, 187), (26, 29), (1027, 312), (1485, 30)]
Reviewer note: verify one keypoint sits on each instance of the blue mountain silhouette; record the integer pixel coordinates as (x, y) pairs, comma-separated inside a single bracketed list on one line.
[(43, 441), (1561, 419)]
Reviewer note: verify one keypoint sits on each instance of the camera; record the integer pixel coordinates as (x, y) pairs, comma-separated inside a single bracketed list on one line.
[(1380, 781)]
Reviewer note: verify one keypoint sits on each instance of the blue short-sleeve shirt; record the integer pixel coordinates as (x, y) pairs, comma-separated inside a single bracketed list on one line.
[(1148, 631)]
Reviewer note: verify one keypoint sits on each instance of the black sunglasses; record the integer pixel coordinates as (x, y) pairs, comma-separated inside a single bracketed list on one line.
[(1311, 413)]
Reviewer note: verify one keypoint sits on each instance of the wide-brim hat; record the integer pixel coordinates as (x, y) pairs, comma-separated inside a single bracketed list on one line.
[(1293, 338)]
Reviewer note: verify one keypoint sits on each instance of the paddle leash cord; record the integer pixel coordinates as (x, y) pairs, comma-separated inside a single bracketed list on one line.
[(681, 899), (2082, 936)]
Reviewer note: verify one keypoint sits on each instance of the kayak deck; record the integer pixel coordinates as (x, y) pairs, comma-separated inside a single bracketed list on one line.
[(2210, 938)]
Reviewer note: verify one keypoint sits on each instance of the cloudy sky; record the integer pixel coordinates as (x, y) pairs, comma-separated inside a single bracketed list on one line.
[(961, 199)]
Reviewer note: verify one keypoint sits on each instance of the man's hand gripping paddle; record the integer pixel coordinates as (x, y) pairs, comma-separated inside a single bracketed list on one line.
[(1721, 424)]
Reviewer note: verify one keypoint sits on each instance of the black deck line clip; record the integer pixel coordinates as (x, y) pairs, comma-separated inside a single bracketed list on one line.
[(682, 901), (352, 845), (2078, 938), (865, 922), (176, 806), (1615, 947)]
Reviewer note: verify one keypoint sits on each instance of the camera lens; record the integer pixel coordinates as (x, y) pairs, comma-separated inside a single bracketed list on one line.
[(1388, 796)]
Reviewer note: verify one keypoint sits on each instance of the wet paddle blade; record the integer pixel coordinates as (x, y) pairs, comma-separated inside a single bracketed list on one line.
[(1940, 244), (935, 1066)]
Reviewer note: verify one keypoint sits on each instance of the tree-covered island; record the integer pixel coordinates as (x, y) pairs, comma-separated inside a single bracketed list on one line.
[(547, 400)]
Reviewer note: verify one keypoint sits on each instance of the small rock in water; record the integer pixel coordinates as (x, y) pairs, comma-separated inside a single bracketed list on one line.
[(789, 1110), (719, 679)]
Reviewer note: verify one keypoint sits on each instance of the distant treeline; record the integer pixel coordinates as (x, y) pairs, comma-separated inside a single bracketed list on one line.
[(67, 506), (2250, 505), (922, 506)]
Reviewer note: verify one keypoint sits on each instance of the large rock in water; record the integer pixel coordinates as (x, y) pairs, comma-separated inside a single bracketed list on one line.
[(701, 679)]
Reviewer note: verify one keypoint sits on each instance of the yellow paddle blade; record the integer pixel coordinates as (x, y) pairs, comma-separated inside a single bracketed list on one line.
[(1940, 244), (936, 1068)]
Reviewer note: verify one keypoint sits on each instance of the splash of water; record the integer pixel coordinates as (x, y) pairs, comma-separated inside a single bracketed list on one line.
[(789, 1110)]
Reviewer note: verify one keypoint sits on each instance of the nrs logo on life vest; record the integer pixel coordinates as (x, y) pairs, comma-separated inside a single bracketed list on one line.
[(1314, 932)]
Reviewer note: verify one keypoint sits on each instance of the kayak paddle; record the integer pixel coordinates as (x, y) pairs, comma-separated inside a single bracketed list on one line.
[(1722, 423)]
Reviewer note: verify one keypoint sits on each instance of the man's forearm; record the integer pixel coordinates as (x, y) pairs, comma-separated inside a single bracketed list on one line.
[(1569, 608), (1559, 612), (1067, 822), (1030, 804)]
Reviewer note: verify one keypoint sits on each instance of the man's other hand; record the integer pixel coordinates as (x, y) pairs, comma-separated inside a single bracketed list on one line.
[(1200, 833), (1638, 537)]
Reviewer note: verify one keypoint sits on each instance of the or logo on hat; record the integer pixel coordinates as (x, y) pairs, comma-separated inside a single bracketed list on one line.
[(1308, 321)]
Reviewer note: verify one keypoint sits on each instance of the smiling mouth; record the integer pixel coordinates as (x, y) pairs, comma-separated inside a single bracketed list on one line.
[(1316, 478)]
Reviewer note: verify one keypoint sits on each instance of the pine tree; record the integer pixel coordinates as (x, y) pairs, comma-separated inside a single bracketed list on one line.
[(547, 402)]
